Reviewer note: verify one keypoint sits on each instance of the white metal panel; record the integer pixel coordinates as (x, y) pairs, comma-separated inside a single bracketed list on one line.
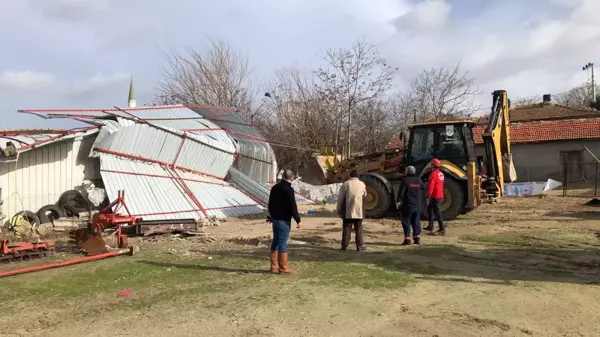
[(204, 159), (142, 141), (41, 175), (179, 119), (256, 160), (223, 201), (155, 192), (150, 191), (248, 185), (27, 142), (149, 143)]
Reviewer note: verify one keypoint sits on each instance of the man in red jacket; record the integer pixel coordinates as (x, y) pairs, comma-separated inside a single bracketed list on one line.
[(435, 194)]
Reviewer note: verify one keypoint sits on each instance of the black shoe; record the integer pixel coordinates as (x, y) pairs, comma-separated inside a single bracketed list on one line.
[(361, 248), (406, 242), (417, 241), (343, 249), (428, 228), (441, 232)]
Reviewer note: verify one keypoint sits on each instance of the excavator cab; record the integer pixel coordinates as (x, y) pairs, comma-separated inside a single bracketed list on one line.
[(452, 142)]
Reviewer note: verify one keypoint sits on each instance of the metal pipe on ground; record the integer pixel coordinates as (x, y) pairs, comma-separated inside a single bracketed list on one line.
[(128, 251)]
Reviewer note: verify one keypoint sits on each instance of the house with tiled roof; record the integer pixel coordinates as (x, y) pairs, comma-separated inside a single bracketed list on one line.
[(545, 135)]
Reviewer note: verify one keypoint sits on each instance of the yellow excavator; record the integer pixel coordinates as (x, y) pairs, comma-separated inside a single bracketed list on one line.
[(469, 180)]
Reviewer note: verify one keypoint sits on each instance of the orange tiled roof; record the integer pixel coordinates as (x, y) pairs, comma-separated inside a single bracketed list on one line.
[(549, 131), (545, 111)]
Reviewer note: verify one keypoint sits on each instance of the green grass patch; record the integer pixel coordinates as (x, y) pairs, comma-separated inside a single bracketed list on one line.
[(355, 275), (162, 277), (534, 239)]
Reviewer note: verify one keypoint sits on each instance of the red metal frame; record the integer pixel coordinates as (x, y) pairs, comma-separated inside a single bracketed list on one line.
[(187, 191), (220, 183), (128, 251), (205, 107), (6, 249), (107, 219)]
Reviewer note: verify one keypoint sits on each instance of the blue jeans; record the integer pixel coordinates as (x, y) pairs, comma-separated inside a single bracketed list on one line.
[(281, 233), (411, 219)]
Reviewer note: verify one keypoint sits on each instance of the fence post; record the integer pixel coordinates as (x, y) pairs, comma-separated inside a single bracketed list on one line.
[(565, 177), (596, 182)]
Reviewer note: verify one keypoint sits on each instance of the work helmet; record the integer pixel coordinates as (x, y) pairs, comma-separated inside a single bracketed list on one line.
[(436, 162), (411, 171)]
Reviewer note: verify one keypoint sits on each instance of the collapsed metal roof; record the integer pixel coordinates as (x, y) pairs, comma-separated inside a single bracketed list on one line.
[(27, 139), (174, 162)]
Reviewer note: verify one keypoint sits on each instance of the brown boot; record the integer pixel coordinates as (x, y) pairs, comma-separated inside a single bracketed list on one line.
[(283, 265), (274, 262)]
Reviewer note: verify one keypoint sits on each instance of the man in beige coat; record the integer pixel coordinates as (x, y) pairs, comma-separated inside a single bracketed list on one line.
[(350, 209)]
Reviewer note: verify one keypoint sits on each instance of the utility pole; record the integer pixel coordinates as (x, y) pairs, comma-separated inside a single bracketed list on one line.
[(591, 67), (348, 131)]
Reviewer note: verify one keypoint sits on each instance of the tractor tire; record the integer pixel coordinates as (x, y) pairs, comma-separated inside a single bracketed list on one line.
[(378, 196), (71, 211), (49, 213), (74, 199), (456, 195), (31, 217)]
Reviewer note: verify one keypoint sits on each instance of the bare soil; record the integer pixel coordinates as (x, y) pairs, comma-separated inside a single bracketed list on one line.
[(521, 267)]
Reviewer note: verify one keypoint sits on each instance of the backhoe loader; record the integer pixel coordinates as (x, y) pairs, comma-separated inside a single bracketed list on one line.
[(450, 141)]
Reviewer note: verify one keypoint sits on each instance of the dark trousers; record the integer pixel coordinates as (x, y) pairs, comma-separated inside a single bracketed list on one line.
[(410, 219), (434, 209), (348, 224), (281, 233)]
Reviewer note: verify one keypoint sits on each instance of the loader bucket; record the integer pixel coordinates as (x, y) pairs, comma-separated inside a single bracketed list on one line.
[(89, 240)]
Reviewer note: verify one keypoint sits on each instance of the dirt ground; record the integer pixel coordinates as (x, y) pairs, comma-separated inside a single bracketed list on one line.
[(522, 267)]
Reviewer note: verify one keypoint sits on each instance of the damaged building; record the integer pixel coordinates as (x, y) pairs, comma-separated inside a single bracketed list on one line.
[(173, 162)]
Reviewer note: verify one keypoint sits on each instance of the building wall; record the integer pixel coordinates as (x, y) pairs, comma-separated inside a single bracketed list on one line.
[(542, 161), (41, 175)]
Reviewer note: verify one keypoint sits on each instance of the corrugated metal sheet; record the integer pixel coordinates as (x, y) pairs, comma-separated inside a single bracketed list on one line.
[(154, 197), (230, 120), (26, 142), (181, 118), (155, 192), (245, 183), (138, 149), (41, 175), (257, 191), (256, 160), (149, 143)]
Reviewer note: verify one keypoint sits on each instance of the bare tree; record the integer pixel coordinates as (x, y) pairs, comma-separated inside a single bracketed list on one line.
[(442, 93), (578, 97), (526, 100), (375, 124), (213, 74), (350, 77), (294, 117)]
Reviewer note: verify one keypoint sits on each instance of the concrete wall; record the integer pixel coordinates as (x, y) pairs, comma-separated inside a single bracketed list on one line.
[(41, 175), (542, 161)]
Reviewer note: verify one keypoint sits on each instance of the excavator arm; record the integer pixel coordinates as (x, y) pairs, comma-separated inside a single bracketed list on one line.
[(496, 139)]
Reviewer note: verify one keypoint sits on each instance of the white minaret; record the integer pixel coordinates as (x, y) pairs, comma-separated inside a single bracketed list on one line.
[(131, 102)]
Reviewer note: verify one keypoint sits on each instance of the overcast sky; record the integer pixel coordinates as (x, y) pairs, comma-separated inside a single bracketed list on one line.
[(80, 53)]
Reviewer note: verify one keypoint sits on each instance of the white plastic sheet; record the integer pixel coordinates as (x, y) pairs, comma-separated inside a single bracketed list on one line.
[(530, 188), (322, 193)]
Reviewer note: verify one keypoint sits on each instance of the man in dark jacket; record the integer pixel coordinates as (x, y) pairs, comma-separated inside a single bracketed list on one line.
[(282, 208), (409, 203)]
